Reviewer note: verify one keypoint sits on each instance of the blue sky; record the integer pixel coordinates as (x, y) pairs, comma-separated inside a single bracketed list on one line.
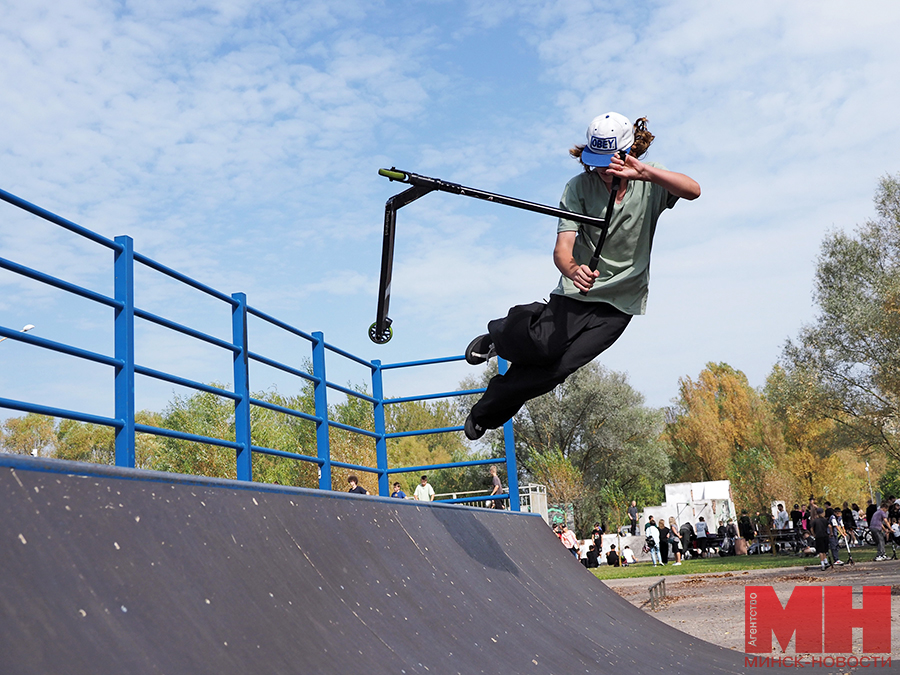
[(239, 142)]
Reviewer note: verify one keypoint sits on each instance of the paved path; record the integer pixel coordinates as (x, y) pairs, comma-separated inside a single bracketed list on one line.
[(711, 606)]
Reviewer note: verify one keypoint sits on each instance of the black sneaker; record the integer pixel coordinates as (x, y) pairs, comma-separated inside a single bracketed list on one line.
[(473, 431), (480, 350)]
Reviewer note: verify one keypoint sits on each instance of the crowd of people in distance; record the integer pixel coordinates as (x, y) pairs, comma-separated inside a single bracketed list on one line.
[(824, 529), (812, 530), (588, 551)]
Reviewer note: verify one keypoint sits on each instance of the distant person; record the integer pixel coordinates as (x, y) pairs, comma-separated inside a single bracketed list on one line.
[(628, 556), (702, 534), (796, 517), (663, 541), (593, 557), (355, 487), (612, 558), (633, 517), (860, 514), (687, 536), (880, 530), (835, 531), (848, 515), (819, 528), (870, 511), (674, 541), (781, 518), (651, 522), (597, 537), (496, 489), (584, 546), (398, 493), (782, 525), (807, 544), (424, 492), (760, 523), (811, 508), (652, 540), (745, 527), (729, 533), (569, 540)]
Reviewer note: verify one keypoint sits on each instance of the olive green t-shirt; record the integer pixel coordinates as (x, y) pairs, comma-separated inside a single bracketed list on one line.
[(625, 260)]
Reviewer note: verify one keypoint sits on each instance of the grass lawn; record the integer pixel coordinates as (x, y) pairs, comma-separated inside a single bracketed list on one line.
[(716, 565)]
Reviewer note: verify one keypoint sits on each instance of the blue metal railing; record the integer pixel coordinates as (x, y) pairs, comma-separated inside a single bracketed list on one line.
[(125, 368)]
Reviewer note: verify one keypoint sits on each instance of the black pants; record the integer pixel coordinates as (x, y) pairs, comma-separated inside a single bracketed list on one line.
[(544, 345)]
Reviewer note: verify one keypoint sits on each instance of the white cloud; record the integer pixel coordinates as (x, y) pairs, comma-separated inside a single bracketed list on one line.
[(238, 142)]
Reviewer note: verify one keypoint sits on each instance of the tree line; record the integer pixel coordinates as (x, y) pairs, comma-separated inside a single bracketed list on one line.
[(206, 414)]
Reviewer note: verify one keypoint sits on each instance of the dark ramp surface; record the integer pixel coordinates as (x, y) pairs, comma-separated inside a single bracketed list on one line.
[(110, 571)]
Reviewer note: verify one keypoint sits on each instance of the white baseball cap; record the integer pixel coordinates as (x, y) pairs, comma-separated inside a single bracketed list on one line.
[(607, 135)]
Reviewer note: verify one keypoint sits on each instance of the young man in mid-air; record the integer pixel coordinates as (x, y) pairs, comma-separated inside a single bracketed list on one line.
[(589, 309)]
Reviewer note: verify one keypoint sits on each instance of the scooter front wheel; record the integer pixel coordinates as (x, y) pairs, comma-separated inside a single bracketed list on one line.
[(380, 338)]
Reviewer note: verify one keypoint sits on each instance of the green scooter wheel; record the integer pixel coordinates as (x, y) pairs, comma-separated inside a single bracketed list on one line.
[(380, 338)]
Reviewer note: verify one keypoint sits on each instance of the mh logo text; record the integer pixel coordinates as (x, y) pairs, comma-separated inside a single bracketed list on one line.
[(823, 619)]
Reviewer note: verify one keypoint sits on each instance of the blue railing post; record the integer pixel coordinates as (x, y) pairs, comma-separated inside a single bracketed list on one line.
[(509, 444), (381, 458), (124, 351), (320, 394), (242, 432)]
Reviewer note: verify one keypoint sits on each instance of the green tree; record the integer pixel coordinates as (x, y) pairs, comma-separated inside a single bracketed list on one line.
[(598, 423), (75, 441), (564, 482), (32, 432), (202, 414), (210, 415), (428, 449), (82, 442), (721, 428), (285, 433), (821, 459), (845, 367), (889, 481)]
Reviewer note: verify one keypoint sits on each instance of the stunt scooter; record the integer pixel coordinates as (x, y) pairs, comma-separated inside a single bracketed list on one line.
[(381, 331)]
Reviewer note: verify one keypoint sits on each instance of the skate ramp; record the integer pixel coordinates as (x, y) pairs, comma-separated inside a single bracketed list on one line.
[(112, 571)]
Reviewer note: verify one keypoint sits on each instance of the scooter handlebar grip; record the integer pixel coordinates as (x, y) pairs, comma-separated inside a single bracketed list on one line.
[(392, 174), (593, 265)]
